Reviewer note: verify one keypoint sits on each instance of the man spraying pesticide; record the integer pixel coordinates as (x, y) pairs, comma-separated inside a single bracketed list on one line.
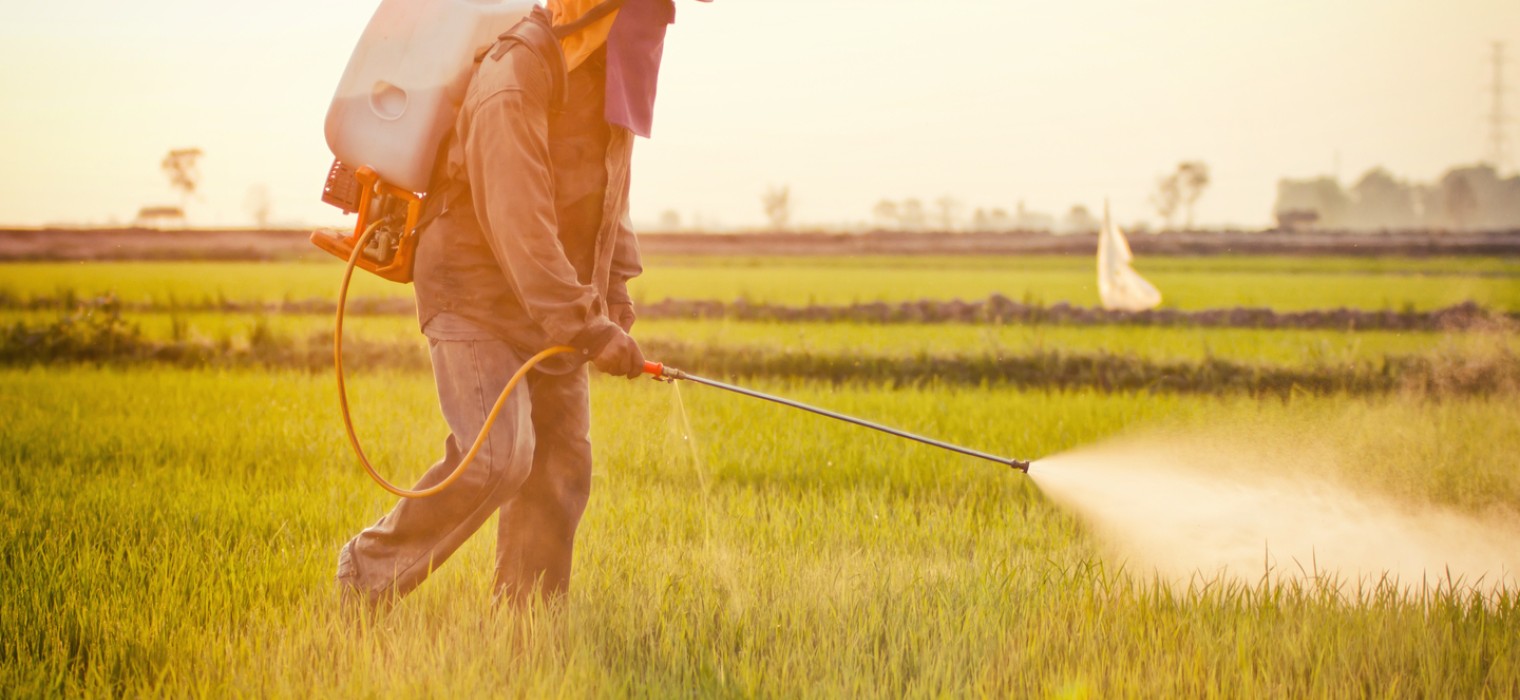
[(517, 121)]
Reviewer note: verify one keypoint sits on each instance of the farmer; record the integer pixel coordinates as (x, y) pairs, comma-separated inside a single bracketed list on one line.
[(532, 250)]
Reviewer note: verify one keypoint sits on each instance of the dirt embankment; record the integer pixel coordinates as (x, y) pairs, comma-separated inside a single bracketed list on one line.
[(239, 244), (152, 244), (995, 310)]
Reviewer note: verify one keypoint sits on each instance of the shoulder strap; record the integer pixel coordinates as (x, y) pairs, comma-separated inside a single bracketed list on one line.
[(536, 34), (444, 192)]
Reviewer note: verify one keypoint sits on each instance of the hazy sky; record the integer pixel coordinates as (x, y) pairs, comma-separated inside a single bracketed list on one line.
[(847, 101)]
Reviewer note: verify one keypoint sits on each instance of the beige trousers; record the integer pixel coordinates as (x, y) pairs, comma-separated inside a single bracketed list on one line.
[(535, 469)]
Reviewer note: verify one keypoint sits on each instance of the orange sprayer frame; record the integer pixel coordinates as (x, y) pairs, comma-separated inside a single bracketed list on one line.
[(371, 188)]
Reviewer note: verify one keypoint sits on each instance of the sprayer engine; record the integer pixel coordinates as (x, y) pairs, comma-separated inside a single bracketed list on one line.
[(387, 226), (395, 104)]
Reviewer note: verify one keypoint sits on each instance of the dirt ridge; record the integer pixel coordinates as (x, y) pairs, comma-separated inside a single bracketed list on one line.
[(60, 244), (995, 310)]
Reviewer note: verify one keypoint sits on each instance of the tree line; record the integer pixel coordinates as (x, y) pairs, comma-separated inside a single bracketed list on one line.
[(1472, 198)]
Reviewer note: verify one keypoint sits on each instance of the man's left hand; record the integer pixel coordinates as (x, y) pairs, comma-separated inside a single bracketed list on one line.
[(622, 314)]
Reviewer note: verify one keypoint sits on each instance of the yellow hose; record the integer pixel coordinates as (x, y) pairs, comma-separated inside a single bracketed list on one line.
[(348, 422)]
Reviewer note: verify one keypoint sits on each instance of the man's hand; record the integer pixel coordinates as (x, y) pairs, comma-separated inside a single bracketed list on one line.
[(622, 314), (621, 356)]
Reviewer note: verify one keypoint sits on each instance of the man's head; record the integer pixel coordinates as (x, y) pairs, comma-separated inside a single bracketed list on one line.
[(584, 25), (633, 32)]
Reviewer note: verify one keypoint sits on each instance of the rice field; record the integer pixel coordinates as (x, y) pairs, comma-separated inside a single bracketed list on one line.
[(768, 555), (171, 531)]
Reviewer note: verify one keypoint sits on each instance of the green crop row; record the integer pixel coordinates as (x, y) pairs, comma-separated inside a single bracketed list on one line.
[(1288, 347), (1180, 290), (1287, 264), (169, 532), (1185, 284), (1470, 363)]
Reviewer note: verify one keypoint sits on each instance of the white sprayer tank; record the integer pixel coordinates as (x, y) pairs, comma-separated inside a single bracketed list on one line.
[(407, 77)]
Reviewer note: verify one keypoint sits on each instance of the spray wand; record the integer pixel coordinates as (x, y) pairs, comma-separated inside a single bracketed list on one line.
[(664, 373)]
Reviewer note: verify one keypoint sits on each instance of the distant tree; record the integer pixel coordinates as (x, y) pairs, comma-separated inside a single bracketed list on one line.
[(1469, 198), (1178, 191), (181, 165), (913, 216), (1079, 220), (1026, 219), (1477, 198), (1167, 198), (949, 212), (994, 220), (1461, 202), (887, 212), (258, 205), (777, 203), (998, 220), (670, 220), (1381, 201), (1193, 177)]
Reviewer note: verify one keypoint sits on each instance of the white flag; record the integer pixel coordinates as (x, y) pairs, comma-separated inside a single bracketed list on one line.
[(1120, 287)]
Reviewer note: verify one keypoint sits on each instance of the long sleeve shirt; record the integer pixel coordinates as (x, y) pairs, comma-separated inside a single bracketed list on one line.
[(535, 242)]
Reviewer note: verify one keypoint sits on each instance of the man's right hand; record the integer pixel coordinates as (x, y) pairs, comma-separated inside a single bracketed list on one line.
[(621, 356)]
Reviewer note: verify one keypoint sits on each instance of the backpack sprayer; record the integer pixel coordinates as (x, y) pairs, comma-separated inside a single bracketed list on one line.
[(397, 100)]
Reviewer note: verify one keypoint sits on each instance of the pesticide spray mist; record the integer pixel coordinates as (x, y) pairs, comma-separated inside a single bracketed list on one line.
[(1190, 512)]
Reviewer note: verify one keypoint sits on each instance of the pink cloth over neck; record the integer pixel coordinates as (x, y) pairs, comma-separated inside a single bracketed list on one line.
[(634, 49)]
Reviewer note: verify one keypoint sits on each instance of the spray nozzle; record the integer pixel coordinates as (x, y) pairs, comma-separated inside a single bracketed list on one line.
[(662, 372), (1019, 464)]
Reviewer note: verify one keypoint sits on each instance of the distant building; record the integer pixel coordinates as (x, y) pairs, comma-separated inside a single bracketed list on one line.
[(1296, 220), (1321, 198), (158, 217)]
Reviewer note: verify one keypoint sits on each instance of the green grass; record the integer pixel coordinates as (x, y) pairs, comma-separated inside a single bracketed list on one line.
[(190, 282), (1285, 284), (169, 532), (1278, 347), (1180, 290)]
